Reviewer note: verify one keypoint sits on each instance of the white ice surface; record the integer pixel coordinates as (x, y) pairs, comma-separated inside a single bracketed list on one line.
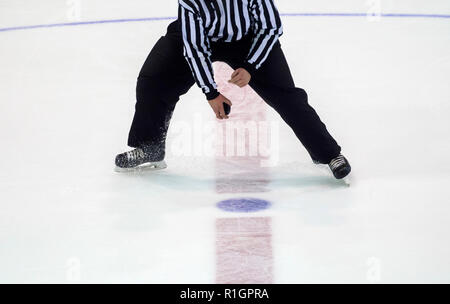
[(67, 100)]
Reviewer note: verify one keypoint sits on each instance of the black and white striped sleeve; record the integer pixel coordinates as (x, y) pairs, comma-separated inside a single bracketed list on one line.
[(197, 49), (267, 30)]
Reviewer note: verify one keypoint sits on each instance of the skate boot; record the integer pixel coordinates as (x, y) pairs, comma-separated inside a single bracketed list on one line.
[(340, 167), (141, 158)]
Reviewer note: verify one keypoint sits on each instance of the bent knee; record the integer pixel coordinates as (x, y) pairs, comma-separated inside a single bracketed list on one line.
[(295, 95), (159, 89)]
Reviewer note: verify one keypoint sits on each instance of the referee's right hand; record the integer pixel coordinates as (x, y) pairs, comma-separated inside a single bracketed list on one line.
[(217, 106)]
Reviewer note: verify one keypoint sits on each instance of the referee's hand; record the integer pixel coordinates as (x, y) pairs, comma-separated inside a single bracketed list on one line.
[(217, 106), (240, 77)]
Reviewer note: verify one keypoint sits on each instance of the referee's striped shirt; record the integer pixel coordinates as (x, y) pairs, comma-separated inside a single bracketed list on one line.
[(206, 21)]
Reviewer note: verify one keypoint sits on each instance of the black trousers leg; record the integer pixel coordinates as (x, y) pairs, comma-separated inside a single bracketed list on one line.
[(274, 83), (164, 77)]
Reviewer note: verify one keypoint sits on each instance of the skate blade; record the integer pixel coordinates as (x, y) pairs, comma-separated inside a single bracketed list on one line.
[(347, 180), (144, 167)]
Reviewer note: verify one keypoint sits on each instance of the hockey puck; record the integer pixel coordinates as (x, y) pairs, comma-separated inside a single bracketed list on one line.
[(227, 108)]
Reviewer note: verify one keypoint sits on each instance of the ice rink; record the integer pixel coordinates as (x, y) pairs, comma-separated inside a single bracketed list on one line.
[(378, 74)]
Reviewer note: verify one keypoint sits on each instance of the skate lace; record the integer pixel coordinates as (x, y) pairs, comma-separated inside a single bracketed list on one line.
[(337, 162), (135, 154)]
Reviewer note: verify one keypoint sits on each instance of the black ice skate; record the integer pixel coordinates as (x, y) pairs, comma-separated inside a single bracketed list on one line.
[(140, 158), (340, 167)]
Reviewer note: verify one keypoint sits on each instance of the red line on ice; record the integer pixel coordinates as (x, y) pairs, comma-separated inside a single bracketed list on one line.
[(243, 245)]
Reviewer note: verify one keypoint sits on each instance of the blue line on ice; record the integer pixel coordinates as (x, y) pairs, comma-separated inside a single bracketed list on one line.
[(29, 27)]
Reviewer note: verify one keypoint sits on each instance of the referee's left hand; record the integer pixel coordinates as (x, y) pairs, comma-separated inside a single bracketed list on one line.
[(240, 77), (217, 105)]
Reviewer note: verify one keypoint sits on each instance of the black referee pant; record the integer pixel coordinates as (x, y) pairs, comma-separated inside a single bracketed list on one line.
[(166, 76)]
